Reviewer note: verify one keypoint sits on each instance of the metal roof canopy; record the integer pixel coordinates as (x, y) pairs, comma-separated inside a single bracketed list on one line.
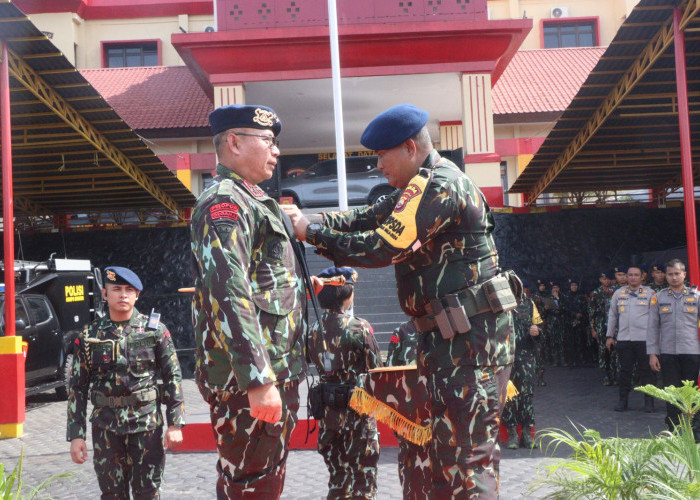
[(621, 131), (71, 152)]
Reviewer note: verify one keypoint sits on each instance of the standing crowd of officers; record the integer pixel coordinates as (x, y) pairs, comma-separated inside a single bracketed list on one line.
[(467, 336)]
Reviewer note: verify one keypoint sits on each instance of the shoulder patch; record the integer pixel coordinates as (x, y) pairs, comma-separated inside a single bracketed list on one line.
[(224, 211), (253, 189), (400, 228), (654, 300)]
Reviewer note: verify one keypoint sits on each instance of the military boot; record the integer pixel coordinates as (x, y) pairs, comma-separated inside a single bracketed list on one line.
[(648, 404), (622, 404), (512, 438), (526, 441)]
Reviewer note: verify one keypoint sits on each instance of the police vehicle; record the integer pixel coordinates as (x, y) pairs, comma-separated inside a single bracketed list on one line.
[(54, 300)]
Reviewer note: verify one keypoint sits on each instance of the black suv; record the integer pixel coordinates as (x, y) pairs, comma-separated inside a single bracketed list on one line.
[(54, 300)]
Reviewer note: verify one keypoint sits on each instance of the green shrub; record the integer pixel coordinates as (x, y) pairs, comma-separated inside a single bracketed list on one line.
[(666, 466), (11, 484)]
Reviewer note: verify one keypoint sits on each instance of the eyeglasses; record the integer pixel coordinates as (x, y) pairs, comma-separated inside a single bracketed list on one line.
[(272, 142)]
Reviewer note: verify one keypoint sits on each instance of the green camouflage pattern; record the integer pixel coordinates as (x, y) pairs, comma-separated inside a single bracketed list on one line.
[(249, 298), (577, 350), (252, 453), (598, 309), (557, 330), (657, 288), (465, 404), (118, 359), (115, 472), (540, 355), (342, 348), (414, 460), (454, 249), (520, 410)]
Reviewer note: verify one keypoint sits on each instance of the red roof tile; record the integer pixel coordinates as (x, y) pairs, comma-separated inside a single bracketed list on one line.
[(154, 97), (540, 81)]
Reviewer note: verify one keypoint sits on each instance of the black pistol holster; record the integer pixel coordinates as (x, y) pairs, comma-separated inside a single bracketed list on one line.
[(333, 395)]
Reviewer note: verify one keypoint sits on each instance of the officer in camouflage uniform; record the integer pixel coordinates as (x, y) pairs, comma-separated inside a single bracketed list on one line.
[(540, 354), (414, 460), (557, 327), (620, 277), (116, 362), (658, 275), (438, 231), (342, 347), (249, 305), (576, 308), (598, 310), (519, 410)]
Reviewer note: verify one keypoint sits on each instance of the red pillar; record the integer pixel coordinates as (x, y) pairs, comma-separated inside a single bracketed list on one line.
[(11, 356), (686, 153)]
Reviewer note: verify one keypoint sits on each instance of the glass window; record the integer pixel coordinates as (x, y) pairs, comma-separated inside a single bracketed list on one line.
[(39, 309), (131, 54), (558, 35)]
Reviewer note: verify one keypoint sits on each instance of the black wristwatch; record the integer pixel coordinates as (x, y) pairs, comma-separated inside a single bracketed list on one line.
[(311, 231)]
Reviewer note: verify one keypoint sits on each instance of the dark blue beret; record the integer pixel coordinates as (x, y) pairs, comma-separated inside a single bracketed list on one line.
[(122, 276), (658, 267), (542, 282), (244, 116), (620, 269), (605, 274), (331, 272), (393, 126), (555, 283), (526, 283)]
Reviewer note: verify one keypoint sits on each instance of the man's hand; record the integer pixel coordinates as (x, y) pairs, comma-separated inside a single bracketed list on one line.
[(609, 342), (299, 221), (78, 450), (173, 437), (534, 331), (317, 284), (265, 403), (654, 363), (594, 334)]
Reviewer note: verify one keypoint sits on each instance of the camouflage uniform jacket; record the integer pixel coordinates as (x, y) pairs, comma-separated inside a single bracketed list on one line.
[(657, 288), (439, 234), (342, 347), (524, 316), (402, 346), (119, 359), (249, 299), (598, 309), (575, 303)]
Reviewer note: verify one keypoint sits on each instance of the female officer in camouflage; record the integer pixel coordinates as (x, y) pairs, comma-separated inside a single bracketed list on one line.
[(342, 347), (116, 363), (438, 231), (249, 305)]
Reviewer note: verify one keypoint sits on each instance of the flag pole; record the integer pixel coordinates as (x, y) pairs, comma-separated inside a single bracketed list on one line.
[(337, 106)]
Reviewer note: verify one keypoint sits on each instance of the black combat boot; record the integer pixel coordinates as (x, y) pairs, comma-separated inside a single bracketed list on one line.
[(622, 404), (526, 441), (512, 438), (648, 404)]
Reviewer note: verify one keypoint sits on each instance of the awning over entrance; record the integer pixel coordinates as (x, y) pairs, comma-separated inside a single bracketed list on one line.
[(621, 131), (71, 152)]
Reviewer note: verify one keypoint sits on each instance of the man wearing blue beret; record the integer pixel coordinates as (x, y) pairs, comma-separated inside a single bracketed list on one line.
[(437, 230), (117, 361), (249, 305)]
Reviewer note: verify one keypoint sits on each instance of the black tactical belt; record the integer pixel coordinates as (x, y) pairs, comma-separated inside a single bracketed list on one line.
[(477, 299), (135, 399)]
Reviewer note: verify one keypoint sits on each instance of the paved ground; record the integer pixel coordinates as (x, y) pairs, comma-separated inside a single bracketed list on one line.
[(572, 394)]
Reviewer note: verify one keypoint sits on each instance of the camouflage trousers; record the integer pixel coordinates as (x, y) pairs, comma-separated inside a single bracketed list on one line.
[(252, 453), (122, 459), (466, 403), (540, 355), (349, 445), (414, 470), (557, 338), (607, 360), (520, 410)]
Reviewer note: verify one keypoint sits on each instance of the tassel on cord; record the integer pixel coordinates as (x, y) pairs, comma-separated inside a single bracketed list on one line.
[(365, 404)]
